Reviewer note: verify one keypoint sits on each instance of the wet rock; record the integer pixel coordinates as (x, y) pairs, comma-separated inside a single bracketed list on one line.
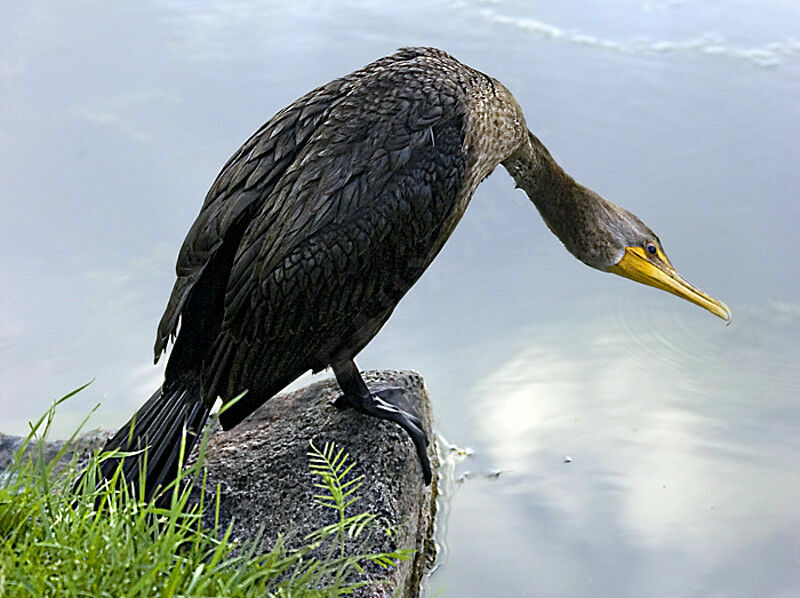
[(266, 488)]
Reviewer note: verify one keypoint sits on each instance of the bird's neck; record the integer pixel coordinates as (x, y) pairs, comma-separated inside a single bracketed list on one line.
[(570, 210)]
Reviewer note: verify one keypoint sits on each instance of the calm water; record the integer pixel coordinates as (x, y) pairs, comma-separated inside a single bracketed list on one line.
[(624, 443)]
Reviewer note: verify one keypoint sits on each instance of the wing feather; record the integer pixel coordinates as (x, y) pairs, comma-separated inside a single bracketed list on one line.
[(338, 204), (247, 181), (351, 225)]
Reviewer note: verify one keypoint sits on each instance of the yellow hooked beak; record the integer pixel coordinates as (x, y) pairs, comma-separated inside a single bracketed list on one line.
[(659, 273)]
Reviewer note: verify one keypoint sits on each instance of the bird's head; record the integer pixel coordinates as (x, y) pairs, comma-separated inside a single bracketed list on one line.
[(599, 233), (637, 253)]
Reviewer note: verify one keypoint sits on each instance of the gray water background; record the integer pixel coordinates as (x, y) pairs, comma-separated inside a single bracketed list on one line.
[(623, 442)]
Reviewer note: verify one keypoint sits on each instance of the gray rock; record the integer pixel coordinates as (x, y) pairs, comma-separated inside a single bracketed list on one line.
[(84, 444), (266, 488), (262, 469)]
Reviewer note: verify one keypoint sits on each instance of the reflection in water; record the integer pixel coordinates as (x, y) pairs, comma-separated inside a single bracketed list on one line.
[(664, 430)]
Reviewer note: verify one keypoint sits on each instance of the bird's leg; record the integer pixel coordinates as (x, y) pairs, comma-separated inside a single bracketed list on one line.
[(379, 404)]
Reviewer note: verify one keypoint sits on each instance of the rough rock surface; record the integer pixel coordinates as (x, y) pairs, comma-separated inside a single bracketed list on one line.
[(262, 469), (9, 445)]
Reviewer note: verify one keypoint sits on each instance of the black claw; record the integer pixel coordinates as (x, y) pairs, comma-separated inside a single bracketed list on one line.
[(418, 437), (394, 396), (377, 407), (420, 441), (414, 420), (385, 403)]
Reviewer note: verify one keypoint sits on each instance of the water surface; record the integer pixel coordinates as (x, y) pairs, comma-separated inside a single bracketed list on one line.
[(624, 443)]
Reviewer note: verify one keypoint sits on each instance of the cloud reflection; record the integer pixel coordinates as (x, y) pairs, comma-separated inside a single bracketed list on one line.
[(660, 451)]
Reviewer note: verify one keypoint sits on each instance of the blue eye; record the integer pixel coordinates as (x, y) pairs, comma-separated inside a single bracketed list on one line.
[(651, 248)]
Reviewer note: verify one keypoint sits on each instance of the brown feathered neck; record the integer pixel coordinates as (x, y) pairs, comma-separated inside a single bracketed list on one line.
[(592, 228)]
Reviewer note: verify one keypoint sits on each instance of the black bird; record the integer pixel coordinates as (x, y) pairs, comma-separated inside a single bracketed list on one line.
[(321, 222)]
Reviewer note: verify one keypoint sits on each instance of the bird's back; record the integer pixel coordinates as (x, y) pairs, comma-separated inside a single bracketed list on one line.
[(322, 221)]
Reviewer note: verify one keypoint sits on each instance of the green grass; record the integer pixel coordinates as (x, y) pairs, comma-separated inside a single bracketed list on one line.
[(87, 541)]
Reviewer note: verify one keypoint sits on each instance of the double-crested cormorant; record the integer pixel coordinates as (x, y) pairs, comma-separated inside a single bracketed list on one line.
[(323, 220)]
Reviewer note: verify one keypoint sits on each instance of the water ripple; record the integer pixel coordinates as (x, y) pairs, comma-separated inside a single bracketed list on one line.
[(761, 345), (770, 54)]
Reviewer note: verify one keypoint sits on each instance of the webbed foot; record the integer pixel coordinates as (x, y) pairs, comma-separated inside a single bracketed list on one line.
[(383, 403)]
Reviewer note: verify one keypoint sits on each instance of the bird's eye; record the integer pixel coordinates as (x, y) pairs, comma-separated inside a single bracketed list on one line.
[(651, 249)]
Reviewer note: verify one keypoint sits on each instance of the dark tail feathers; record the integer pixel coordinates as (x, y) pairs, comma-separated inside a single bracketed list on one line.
[(158, 427)]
